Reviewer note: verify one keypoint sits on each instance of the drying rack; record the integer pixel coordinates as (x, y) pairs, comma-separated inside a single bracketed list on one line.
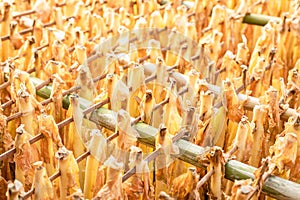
[(234, 170)]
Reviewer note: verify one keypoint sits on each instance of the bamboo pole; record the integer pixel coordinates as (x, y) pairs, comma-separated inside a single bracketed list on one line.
[(257, 19), (234, 170)]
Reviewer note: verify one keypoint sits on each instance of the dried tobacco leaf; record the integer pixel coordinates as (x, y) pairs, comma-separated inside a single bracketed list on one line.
[(173, 109), (284, 153), (14, 190), (146, 107), (50, 143), (42, 184), (57, 97), (113, 187), (216, 163), (97, 146), (242, 189), (25, 155), (69, 178), (28, 105), (184, 184), (138, 185)]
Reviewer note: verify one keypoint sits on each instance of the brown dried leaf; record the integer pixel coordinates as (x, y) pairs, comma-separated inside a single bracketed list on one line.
[(43, 10), (284, 152), (112, 190), (25, 155), (16, 39), (41, 183), (146, 107), (127, 134), (231, 102), (184, 184), (135, 185), (69, 179), (173, 109), (242, 190), (120, 97), (85, 80), (14, 189), (216, 163), (3, 187)]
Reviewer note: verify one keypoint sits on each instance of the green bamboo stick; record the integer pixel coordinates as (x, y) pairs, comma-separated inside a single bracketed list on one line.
[(259, 20), (274, 186)]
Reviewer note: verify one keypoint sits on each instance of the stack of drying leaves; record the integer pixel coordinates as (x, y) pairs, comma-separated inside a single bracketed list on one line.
[(167, 84)]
